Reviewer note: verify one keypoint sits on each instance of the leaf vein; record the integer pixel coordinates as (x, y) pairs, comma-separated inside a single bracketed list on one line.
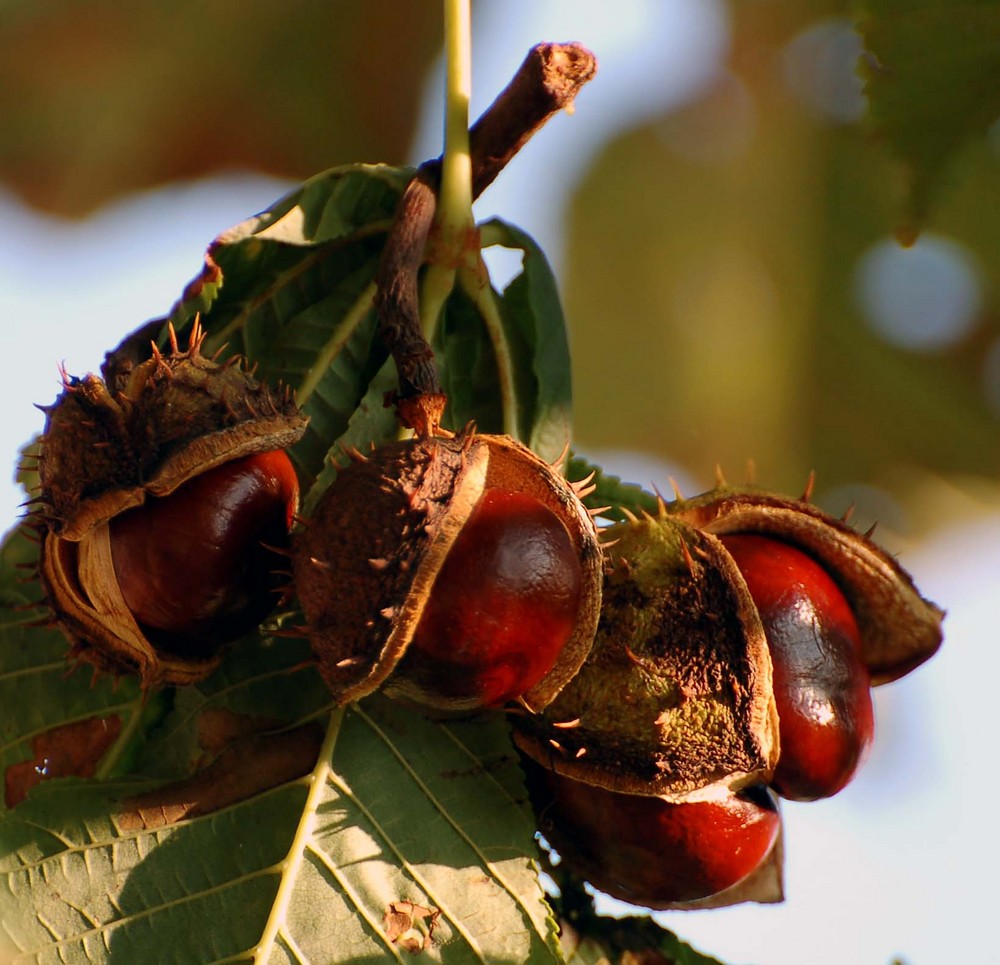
[(108, 927), (293, 946), (456, 826), (140, 834), (56, 665), (355, 900)]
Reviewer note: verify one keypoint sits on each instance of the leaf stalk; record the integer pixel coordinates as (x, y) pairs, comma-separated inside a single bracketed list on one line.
[(454, 215), (437, 205), (289, 868), (475, 282)]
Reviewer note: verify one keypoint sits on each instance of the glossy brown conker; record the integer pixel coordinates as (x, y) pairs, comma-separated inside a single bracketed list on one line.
[(899, 629), (456, 573), (821, 685), (199, 568), (652, 852), (140, 583), (503, 605)]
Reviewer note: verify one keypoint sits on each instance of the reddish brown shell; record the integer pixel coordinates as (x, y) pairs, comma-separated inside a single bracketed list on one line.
[(765, 886), (676, 693), (365, 564), (899, 628)]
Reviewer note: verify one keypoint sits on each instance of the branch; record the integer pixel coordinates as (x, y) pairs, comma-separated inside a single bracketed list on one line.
[(547, 81), (419, 402)]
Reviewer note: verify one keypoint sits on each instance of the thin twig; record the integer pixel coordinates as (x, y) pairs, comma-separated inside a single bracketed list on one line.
[(397, 302), (547, 81)]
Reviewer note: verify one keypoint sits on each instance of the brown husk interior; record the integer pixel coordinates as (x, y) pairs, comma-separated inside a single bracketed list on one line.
[(676, 693)]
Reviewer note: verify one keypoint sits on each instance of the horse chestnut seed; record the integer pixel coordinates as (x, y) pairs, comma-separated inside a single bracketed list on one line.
[(457, 573), (198, 568), (651, 852), (159, 483), (821, 685), (502, 607)]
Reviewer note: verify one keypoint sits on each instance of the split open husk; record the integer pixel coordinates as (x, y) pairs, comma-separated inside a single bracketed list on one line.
[(366, 562)]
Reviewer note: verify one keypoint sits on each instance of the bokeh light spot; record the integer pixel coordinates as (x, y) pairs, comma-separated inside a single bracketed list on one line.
[(820, 68), (922, 298)]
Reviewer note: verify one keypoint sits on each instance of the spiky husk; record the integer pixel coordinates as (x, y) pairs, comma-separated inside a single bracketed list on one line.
[(899, 628), (366, 562), (675, 698), (176, 415)]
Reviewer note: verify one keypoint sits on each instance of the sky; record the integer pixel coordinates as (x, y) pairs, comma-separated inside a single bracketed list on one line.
[(898, 864)]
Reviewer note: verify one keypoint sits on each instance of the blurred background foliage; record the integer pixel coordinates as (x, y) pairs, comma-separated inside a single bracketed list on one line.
[(741, 249), (736, 288), (102, 98), (730, 275)]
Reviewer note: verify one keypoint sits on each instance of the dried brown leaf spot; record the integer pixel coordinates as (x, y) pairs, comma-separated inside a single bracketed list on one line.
[(410, 926), (218, 727), (70, 750), (247, 767)]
